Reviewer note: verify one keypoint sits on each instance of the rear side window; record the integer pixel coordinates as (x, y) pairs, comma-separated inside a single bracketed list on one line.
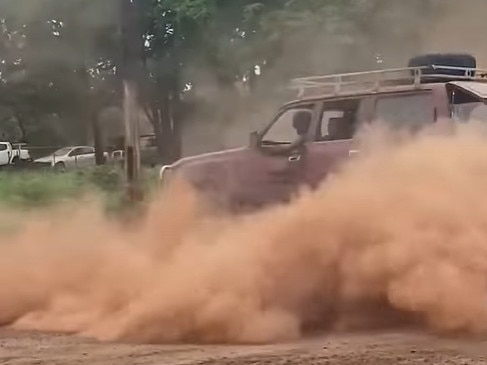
[(86, 151), (3, 147), (75, 152), (410, 111)]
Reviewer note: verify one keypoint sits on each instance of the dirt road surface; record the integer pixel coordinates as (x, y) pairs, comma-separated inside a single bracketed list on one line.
[(19, 348)]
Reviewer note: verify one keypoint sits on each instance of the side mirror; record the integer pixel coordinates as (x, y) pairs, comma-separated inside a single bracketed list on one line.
[(254, 139)]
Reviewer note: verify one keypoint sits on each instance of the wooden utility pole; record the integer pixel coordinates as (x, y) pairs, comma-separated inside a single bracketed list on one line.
[(131, 58)]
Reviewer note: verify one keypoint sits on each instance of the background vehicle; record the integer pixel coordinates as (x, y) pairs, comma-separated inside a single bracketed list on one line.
[(20, 153), (148, 150), (5, 153), (117, 155), (149, 155), (12, 154), (436, 90), (70, 157)]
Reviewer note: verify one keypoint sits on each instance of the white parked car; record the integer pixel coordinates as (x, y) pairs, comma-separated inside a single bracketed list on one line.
[(70, 157)]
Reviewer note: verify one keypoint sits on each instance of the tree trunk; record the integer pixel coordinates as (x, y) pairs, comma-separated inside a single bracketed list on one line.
[(177, 143), (156, 123), (20, 123), (131, 74), (164, 119), (98, 139), (167, 130)]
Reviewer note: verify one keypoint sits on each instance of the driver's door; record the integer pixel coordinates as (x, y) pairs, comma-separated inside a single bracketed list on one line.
[(86, 157), (270, 172), (72, 160)]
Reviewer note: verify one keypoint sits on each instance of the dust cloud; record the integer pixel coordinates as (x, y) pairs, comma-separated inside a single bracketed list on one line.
[(399, 236)]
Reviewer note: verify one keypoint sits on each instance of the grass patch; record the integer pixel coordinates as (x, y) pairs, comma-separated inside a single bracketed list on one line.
[(38, 189)]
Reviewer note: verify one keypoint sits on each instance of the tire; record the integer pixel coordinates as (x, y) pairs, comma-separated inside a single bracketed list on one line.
[(60, 166), (15, 160), (447, 59)]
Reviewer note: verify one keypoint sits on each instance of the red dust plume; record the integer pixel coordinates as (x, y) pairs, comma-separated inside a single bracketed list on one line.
[(401, 230)]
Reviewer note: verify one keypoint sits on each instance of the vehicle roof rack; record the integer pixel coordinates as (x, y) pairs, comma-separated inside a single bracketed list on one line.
[(382, 80)]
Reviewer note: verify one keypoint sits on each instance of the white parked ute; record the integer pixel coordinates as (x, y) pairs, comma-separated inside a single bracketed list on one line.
[(11, 155), (20, 153), (5, 153), (70, 157)]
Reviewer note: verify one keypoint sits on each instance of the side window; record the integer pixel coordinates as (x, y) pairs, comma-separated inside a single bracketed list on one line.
[(478, 112), (289, 125), (3, 147), (338, 120), (75, 152), (86, 151), (465, 107), (336, 124), (410, 111)]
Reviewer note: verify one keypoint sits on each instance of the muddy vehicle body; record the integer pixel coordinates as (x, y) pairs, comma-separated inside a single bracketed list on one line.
[(311, 136)]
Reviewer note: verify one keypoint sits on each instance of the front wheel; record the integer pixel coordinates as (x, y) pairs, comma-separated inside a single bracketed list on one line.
[(60, 166)]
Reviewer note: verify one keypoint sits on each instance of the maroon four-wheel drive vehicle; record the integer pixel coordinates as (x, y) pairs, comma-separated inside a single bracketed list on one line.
[(309, 137)]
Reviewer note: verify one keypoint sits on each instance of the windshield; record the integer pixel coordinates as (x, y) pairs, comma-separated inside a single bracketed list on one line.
[(470, 111), (62, 151)]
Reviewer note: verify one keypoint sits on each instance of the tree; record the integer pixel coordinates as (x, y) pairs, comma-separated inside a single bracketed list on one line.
[(63, 58), (53, 64)]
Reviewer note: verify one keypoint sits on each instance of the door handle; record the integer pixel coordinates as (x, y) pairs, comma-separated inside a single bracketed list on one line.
[(353, 152), (294, 158)]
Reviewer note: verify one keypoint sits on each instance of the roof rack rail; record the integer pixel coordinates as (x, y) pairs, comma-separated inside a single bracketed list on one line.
[(382, 80)]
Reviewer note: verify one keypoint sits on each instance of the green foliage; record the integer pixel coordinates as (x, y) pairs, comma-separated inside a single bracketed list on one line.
[(25, 189), (54, 63), (61, 57), (106, 178), (109, 181), (34, 189)]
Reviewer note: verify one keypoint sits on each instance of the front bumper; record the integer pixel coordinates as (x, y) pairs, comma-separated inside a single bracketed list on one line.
[(43, 164)]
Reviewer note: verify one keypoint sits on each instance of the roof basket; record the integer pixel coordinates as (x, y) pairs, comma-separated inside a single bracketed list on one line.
[(383, 80)]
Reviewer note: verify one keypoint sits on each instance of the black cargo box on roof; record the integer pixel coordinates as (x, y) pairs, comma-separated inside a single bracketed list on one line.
[(448, 59)]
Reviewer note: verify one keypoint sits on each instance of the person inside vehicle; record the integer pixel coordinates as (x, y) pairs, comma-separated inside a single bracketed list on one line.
[(301, 124)]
